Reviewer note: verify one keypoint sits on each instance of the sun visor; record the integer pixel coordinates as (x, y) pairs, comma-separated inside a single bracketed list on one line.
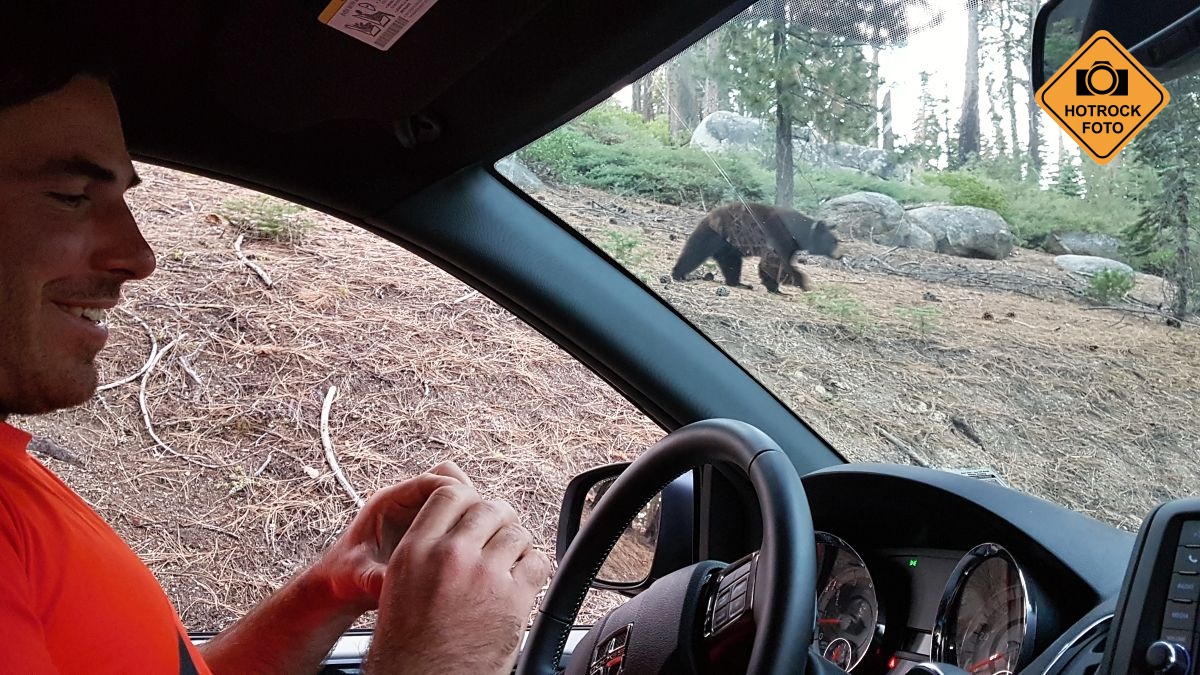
[(268, 58)]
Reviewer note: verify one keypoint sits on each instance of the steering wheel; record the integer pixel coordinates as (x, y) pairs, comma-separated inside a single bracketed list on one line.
[(700, 618)]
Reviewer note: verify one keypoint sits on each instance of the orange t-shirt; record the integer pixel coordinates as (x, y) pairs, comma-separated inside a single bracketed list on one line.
[(74, 598)]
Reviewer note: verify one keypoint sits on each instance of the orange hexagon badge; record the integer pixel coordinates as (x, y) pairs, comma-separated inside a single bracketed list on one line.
[(1102, 97)]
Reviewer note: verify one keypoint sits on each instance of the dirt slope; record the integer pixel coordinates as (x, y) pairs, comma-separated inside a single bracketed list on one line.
[(999, 365)]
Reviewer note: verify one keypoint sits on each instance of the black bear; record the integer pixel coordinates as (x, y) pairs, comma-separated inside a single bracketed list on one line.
[(775, 234)]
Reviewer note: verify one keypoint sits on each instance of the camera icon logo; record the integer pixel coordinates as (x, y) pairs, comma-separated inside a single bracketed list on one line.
[(1101, 79)]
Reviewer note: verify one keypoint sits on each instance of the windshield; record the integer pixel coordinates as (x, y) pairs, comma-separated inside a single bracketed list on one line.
[(973, 293)]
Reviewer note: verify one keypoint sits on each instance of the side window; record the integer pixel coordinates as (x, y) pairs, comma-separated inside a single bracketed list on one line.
[(274, 343)]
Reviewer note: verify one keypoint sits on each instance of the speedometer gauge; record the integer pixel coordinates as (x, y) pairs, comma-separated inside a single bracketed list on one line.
[(847, 609), (985, 621)]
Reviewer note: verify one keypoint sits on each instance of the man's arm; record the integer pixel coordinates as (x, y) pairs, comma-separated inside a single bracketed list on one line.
[(290, 632), (294, 629)]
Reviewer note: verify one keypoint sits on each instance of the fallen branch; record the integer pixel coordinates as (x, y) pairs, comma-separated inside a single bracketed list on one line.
[(903, 447), (146, 410), (329, 454), (262, 274), (49, 448), (149, 359), (187, 368), (1139, 310), (263, 468)]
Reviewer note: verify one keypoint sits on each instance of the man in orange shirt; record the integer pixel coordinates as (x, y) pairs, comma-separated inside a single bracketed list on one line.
[(453, 576)]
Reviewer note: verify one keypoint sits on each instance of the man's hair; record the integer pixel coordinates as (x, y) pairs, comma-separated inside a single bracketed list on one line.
[(42, 47)]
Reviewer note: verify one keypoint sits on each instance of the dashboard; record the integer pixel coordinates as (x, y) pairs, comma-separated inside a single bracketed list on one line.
[(918, 565)]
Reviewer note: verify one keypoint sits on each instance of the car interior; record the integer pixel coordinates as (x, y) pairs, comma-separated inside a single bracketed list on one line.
[(747, 511)]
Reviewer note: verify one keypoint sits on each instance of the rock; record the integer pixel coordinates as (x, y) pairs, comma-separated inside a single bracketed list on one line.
[(1090, 264), (910, 235), (1083, 243), (872, 161), (966, 231), (863, 215), (724, 131), (511, 168)]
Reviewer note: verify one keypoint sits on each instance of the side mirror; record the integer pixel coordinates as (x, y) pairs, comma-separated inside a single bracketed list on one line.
[(1163, 36), (657, 541)]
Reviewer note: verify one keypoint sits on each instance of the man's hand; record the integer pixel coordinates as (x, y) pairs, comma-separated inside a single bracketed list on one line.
[(292, 630), (458, 589), (355, 565)]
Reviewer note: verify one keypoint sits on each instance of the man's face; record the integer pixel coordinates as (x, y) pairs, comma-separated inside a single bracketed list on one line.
[(67, 243)]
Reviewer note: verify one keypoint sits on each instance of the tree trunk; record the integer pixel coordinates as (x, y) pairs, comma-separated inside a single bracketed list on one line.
[(876, 105), (681, 98), (647, 102), (889, 136), (1010, 80), (784, 165), (1184, 282), (1035, 113), (712, 90), (968, 122)]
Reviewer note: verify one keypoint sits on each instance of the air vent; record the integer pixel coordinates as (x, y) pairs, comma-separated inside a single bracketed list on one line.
[(1084, 654)]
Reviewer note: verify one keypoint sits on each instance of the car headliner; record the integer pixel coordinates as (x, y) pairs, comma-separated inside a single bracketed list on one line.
[(271, 98)]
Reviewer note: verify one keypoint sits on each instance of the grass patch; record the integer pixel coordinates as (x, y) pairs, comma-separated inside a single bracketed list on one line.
[(268, 218)]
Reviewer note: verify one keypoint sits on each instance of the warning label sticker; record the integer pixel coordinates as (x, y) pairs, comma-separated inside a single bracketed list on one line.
[(378, 23), (1102, 97)]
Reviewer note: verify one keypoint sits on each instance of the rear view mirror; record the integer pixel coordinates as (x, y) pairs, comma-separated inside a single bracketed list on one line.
[(657, 541), (1163, 36)]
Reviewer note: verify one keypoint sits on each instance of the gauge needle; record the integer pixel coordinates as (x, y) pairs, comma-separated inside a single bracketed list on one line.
[(975, 667), (829, 622)]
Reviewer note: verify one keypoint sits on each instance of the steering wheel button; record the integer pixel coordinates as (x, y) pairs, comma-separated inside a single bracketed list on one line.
[(1179, 616), (740, 587), (723, 599), (1187, 561), (1184, 588), (735, 574), (1190, 534), (721, 617), (736, 606)]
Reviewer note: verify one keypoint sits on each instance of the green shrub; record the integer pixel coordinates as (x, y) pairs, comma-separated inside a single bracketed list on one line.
[(923, 319), (967, 189), (814, 186), (555, 155), (622, 246), (1109, 286), (265, 217), (835, 301)]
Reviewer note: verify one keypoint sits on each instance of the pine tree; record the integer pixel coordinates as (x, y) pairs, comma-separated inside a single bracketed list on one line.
[(782, 69), (1166, 235)]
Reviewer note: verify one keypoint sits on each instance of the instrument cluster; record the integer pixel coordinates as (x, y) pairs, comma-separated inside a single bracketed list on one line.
[(973, 610)]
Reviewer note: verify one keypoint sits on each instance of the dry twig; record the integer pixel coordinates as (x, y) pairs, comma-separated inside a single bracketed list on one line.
[(146, 366), (330, 456), (146, 410), (262, 274), (903, 447)]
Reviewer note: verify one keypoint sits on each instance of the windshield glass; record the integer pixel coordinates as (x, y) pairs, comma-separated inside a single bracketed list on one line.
[(973, 294)]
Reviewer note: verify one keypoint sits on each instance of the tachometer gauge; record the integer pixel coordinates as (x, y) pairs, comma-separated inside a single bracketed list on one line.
[(985, 622), (847, 609)]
